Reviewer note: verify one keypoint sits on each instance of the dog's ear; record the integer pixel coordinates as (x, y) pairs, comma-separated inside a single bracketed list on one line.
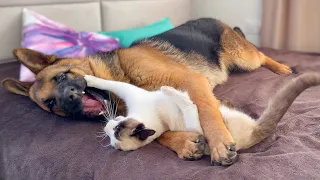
[(16, 86), (142, 133), (34, 60)]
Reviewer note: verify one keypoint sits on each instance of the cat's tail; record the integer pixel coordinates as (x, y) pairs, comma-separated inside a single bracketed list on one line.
[(279, 105)]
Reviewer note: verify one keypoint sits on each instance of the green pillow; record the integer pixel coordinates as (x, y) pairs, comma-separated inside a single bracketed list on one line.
[(127, 37)]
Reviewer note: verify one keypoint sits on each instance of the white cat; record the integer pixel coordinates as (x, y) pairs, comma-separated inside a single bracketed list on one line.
[(150, 113)]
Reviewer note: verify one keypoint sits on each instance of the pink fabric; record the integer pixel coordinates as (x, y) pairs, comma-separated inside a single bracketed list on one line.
[(49, 37)]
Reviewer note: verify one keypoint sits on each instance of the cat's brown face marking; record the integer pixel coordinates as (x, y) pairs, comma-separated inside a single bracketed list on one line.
[(127, 133)]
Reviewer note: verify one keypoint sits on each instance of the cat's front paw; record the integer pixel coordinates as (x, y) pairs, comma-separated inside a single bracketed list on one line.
[(91, 80)]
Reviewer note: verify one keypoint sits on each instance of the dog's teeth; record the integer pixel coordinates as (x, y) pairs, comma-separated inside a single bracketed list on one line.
[(105, 101), (83, 92), (101, 113)]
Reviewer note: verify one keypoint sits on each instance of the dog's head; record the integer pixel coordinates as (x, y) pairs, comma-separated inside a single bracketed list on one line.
[(59, 86)]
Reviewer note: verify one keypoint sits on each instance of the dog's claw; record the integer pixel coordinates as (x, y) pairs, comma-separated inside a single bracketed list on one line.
[(231, 147), (199, 146), (216, 163)]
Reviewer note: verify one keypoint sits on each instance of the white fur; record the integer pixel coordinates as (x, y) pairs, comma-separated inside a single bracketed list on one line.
[(166, 109), (154, 109), (239, 124)]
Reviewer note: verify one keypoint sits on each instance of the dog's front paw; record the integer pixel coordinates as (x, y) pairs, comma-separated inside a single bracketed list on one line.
[(193, 149), (223, 154), (91, 80)]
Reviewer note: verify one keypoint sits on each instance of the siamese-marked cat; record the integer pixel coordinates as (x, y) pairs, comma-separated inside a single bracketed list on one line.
[(150, 113)]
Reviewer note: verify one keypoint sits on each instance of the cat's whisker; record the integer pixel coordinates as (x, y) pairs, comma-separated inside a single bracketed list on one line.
[(101, 132), (115, 112), (107, 113), (104, 112), (109, 108), (103, 138), (107, 145), (113, 107), (106, 118), (103, 135)]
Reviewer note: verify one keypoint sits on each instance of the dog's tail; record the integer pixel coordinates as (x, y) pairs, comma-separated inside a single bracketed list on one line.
[(279, 105), (239, 31)]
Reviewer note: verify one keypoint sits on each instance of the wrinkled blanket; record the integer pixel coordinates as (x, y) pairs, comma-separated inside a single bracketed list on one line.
[(35, 144)]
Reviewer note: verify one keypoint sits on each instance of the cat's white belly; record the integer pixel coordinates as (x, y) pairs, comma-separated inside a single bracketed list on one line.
[(171, 116), (191, 119)]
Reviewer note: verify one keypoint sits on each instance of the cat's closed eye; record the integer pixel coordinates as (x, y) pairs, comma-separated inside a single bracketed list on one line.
[(117, 129)]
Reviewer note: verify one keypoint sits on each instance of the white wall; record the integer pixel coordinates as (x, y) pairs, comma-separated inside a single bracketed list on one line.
[(243, 13)]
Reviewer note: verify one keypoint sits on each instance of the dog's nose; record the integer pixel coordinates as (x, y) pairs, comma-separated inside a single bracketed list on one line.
[(71, 93)]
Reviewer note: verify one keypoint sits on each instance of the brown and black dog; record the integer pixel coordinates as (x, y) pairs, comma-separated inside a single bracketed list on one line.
[(195, 56)]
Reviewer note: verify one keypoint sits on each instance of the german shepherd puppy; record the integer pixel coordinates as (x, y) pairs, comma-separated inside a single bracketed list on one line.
[(194, 57)]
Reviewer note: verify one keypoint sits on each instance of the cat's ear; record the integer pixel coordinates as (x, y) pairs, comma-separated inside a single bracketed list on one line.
[(142, 133)]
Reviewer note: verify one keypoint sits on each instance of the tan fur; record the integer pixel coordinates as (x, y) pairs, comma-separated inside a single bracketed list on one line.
[(193, 61), (240, 53), (182, 143), (21, 88), (151, 65)]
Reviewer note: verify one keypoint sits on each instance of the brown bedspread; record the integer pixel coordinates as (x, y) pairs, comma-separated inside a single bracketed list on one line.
[(37, 145)]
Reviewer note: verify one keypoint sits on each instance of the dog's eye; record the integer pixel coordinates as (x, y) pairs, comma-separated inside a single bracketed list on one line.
[(60, 77), (50, 103)]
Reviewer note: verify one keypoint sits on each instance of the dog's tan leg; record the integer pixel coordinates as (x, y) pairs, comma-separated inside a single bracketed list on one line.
[(163, 71), (274, 66), (238, 52), (188, 145), (250, 60), (219, 139)]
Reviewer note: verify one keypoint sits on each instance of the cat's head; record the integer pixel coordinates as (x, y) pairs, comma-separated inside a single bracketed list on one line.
[(128, 133)]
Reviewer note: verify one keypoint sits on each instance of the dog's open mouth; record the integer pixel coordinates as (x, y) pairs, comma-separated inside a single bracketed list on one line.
[(95, 101)]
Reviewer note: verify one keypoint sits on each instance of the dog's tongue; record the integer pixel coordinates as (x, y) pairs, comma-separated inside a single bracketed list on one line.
[(91, 105)]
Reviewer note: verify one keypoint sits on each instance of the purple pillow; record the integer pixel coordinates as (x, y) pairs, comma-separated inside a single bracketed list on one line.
[(49, 37)]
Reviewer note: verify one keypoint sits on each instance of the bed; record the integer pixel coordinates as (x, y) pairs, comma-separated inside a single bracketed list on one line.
[(39, 145), (35, 144)]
